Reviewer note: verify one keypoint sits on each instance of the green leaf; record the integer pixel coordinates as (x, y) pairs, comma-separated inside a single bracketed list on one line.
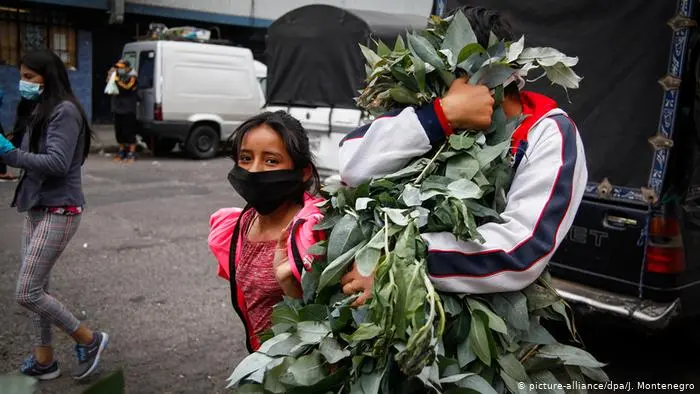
[(461, 141), (465, 352), (314, 312), (455, 378), (305, 371), (371, 57), (459, 34), (252, 363), (397, 216), (406, 243), (537, 334), (473, 62), (412, 170), (476, 383), (251, 388), (560, 308), (279, 345), (535, 364), (492, 75), (436, 182), (419, 72), (399, 46), (595, 374), (335, 270), (367, 259), (478, 338), (489, 153), (409, 83), (366, 331), (411, 196), (513, 367), (451, 304), (318, 249), (403, 96), (367, 383), (309, 283), (569, 355), (113, 383), (563, 76), (331, 350), (16, 383), (481, 211), (515, 50), (382, 49), (464, 189), (345, 235), (494, 321), (548, 383), (539, 297), (272, 383), (468, 51), (514, 386), (424, 50), (312, 332), (546, 56), (362, 203), (493, 39), (282, 313)]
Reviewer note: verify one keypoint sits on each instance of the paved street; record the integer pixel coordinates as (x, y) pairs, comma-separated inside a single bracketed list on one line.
[(140, 269)]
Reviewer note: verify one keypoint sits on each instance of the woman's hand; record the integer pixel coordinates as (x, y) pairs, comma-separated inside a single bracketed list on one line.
[(5, 145), (354, 282), (283, 271)]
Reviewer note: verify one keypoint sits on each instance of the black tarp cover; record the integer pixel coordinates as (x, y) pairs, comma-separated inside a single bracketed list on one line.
[(623, 49), (313, 53)]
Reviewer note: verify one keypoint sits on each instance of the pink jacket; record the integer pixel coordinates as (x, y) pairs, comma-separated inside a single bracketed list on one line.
[(303, 235)]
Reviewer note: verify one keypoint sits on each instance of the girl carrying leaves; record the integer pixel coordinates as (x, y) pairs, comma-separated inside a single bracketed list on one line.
[(261, 249)]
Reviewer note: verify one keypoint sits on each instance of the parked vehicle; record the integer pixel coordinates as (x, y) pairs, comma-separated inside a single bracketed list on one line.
[(634, 248), (315, 68), (194, 93)]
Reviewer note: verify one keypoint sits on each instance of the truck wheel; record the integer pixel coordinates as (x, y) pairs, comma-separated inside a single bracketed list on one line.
[(162, 146), (203, 142)]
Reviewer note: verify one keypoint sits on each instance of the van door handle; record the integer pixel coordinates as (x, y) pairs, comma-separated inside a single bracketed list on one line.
[(619, 222)]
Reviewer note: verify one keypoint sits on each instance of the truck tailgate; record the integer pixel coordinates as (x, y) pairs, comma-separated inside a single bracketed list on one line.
[(602, 248)]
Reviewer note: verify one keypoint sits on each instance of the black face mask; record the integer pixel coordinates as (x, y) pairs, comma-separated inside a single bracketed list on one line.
[(266, 191)]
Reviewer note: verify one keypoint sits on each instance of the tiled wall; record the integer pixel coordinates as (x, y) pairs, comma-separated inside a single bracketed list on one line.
[(81, 81)]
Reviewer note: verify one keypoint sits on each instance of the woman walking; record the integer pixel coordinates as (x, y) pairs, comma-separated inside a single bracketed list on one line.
[(49, 191)]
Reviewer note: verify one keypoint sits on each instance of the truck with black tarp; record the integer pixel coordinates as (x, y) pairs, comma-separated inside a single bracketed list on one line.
[(634, 248)]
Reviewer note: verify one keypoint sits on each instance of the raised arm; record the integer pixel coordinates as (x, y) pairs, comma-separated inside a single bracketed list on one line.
[(391, 141)]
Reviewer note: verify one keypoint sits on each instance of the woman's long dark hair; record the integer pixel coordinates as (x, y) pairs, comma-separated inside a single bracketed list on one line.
[(57, 89)]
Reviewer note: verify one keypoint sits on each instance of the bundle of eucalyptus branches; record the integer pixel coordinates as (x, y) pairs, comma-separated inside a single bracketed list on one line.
[(409, 337)]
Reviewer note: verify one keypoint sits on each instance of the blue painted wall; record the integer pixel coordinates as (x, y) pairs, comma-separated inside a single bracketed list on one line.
[(81, 81)]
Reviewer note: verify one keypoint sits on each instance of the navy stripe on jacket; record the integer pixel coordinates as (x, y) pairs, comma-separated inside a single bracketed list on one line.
[(533, 249)]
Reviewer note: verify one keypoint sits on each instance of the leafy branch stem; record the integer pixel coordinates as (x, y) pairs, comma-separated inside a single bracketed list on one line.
[(429, 165)]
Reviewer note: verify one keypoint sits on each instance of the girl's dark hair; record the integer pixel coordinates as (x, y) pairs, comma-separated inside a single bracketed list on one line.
[(292, 133), (57, 89), (484, 21)]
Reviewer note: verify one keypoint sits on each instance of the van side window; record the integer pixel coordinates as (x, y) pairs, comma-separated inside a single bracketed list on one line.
[(147, 61)]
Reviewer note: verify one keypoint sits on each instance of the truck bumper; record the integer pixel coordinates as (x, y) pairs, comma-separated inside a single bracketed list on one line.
[(652, 315)]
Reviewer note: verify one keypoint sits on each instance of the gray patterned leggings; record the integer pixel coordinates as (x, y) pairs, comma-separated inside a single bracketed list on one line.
[(44, 238)]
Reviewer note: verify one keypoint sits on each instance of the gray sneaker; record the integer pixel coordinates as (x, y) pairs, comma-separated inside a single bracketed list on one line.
[(89, 355)]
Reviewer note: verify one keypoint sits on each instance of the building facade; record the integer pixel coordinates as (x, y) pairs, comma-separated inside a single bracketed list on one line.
[(80, 33)]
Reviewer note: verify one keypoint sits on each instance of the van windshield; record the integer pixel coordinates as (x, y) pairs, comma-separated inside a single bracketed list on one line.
[(147, 60)]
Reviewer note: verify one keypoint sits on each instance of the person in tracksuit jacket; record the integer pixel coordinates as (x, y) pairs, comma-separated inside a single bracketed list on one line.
[(549, 180)]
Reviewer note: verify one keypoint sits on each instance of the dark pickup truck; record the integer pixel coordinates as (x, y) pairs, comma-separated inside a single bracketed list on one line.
[(634, 249)]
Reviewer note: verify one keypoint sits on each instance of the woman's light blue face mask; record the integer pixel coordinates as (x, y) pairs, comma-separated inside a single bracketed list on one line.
[(30, 90)]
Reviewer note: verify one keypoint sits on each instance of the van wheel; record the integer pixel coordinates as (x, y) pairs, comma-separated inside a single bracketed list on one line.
[(162, 146), (203, 142)]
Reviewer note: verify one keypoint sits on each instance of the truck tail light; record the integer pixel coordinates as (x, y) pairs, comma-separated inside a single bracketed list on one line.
[(665, 253), (157, 112)]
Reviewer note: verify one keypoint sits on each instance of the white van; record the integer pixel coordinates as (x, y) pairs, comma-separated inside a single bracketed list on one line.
[(194, 93)]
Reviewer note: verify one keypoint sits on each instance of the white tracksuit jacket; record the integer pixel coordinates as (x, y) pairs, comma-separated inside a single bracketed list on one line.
[(547, 188)]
